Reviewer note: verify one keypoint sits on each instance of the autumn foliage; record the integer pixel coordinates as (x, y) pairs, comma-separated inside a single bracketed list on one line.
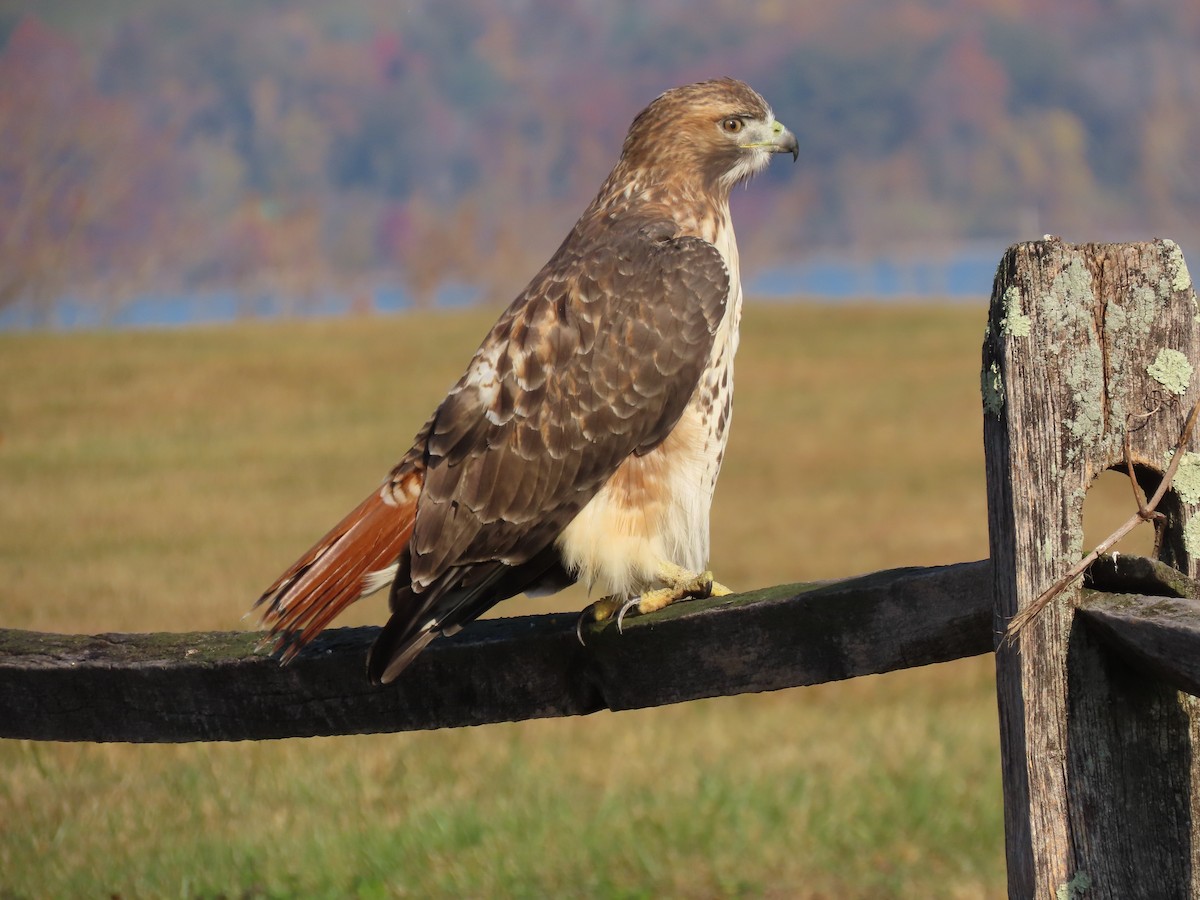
[(300, 149)]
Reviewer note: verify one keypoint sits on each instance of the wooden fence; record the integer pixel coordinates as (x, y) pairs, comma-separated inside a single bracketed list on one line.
[(1087, 361)]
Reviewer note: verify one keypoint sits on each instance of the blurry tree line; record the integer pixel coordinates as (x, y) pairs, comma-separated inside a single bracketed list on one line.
[(304, 147)]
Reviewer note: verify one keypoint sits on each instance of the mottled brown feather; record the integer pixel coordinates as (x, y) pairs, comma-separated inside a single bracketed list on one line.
[(637, 377), (603, 393)]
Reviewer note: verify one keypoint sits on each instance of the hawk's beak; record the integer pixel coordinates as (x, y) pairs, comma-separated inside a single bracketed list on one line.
[(785, 141), (774, 138)]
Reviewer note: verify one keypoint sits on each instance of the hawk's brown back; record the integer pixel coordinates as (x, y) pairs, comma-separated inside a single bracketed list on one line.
[(595, 360)]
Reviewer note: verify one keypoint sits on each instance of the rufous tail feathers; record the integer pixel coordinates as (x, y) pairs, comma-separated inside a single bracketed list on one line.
[(356, 558)]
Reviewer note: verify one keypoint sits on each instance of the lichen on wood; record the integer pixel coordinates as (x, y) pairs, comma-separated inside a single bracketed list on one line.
[(1086, 738)]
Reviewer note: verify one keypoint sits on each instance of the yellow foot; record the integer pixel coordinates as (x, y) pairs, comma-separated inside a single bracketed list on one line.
[(680, 585)]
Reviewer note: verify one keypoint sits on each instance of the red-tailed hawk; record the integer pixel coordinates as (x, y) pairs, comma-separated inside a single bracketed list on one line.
[(584, 440)]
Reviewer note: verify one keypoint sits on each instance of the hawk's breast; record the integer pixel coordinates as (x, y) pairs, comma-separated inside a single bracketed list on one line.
[(655, 507)]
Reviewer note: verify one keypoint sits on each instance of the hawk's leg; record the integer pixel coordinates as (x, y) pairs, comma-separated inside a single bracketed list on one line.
[(679, 584)]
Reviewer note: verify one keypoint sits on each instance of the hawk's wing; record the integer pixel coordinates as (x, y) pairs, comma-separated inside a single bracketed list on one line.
[(596, 360)]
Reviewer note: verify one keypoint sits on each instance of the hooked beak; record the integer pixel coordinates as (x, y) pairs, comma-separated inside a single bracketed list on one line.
[(784, 142), (774, 138)]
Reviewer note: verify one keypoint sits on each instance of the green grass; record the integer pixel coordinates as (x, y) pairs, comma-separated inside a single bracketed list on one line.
[(158, 481)]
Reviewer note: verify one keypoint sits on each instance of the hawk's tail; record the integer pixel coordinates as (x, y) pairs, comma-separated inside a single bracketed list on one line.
[(356, 558)]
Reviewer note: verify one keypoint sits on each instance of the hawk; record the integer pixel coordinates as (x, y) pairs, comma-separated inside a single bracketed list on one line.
[(584, 440)]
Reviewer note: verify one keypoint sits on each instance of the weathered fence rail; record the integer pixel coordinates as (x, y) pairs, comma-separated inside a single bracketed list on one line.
[(197, 687), (1088, 365), (214, 686), (1159, 636)]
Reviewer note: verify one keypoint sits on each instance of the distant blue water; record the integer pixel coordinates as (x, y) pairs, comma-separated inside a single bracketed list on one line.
[(212, 307), (965, 276)]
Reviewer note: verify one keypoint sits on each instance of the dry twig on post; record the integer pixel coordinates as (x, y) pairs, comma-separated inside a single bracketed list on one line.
[(1145, 513)]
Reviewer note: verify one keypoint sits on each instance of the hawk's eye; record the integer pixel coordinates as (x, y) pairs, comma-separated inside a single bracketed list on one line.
[(732, 125)]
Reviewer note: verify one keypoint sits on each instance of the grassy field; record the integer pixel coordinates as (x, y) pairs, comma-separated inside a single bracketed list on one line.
[(158, 481)]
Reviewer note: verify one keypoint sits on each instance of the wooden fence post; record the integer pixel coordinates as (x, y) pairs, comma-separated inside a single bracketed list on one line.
[(1085, 343)]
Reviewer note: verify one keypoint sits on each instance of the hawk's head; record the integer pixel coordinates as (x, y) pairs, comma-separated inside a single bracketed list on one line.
[(721, 130)]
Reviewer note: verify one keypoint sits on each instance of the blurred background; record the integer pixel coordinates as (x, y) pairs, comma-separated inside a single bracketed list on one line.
[(172, 161)]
